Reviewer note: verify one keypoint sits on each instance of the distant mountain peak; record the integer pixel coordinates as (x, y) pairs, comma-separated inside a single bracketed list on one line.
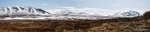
[(128, 13), (17, 10)]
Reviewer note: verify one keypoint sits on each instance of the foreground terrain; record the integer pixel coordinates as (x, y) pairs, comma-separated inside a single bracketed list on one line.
[(106, 25), (134, 24)]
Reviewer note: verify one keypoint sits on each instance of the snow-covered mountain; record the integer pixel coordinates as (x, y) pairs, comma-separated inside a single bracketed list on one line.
[(31, 12), (27, 11), (127, 14), (21, 11), (75, 13)]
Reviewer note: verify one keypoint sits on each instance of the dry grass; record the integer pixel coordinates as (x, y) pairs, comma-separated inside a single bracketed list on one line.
[(106, 25), (135, 24)]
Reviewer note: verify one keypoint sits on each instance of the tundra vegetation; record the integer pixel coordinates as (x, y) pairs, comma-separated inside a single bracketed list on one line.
[(133, 24)]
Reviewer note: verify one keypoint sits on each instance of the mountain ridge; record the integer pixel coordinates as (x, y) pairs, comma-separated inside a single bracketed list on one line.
[(25, 11), (128, 13), (21, 11)]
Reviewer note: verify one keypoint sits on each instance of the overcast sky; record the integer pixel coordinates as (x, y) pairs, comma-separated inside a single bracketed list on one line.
[(113, 5)]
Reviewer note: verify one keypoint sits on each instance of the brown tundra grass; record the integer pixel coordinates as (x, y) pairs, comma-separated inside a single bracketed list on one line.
[(134, 24)]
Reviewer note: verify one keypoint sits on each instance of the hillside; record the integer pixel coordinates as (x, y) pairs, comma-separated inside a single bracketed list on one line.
[(13, 11), (134, 24)]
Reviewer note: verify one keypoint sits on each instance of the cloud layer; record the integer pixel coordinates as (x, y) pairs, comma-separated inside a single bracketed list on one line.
[(45, 4)]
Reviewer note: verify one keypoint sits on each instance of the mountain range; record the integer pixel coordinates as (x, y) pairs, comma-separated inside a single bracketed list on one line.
[(30, 11), (21, 11), (128, 13)]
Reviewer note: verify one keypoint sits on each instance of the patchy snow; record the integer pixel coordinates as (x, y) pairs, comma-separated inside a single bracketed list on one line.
[(127, 14), (56, 18)]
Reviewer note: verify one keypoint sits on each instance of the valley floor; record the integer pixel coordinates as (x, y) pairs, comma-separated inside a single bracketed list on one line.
[(105, 25)]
